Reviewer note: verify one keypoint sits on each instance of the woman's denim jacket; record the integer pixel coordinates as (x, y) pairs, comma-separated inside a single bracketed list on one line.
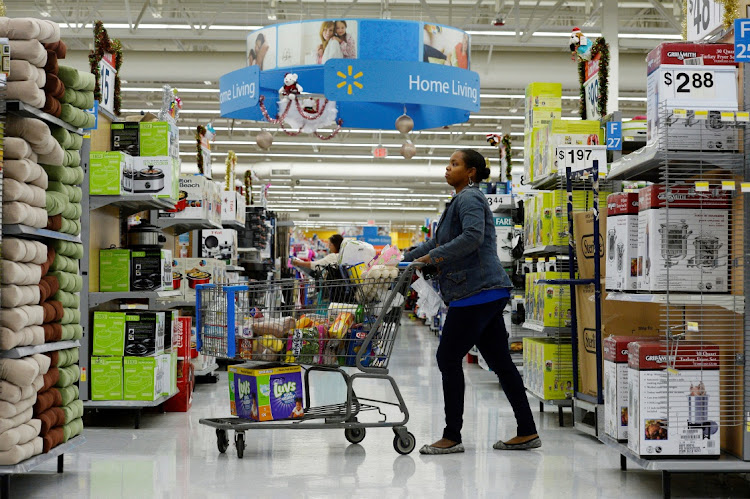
[(464, 248)]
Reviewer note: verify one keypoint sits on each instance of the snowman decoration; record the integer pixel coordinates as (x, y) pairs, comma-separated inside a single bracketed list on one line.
[(580, 45)]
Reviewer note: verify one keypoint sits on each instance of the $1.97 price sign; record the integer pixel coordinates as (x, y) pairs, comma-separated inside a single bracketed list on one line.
[(581, 158)]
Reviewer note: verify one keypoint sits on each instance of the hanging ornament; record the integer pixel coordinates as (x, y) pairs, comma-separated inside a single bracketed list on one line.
[(264, 140), (404, 124), (408, 149)]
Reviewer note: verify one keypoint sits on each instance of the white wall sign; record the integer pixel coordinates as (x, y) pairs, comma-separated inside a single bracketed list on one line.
[(703, 18), (107, 85)]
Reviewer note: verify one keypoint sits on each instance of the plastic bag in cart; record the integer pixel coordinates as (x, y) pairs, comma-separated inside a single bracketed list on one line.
[(429, 300)]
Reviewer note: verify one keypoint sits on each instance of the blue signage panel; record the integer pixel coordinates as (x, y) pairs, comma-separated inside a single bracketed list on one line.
[(238, 91), (614, 135), (742, 40), (402, 82)]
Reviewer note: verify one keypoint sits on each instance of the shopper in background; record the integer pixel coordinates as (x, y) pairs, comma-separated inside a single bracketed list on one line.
[(334, 246), (476, 287)]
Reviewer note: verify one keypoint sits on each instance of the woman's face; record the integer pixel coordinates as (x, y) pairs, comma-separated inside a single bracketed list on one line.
[(258, 45), (340, 29), (331, 247), (328, 33), (456, 173)]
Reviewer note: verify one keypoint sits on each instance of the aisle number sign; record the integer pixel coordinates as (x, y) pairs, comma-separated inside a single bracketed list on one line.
[(582, 158), (107, 85), (614, 135), (742, 40), (703, 18)]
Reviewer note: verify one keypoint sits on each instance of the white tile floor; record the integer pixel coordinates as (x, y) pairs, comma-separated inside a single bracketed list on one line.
[(173, 456)]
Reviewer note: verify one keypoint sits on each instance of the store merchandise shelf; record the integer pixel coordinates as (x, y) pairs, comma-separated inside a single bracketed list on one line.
[(208, 370), (644, 163), (556, 403), (27, 232), (182, 225), (517, 359), (96, 299), (725, 464), (171, 304), (22, 109), (286, 223), (19, 352), (126, 404), (546, 182), (235, 268), (735, 303), (247, 250), (545, 330), (108, 114), (545, 250), (36, 461), (131, 204), (232, 224)]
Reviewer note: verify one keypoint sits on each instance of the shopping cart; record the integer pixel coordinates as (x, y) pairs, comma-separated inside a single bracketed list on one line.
[(345, 320)]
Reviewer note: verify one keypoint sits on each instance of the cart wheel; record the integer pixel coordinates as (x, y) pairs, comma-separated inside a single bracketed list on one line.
[(355, 435), (404, 446), (239, 443), (222, 441)]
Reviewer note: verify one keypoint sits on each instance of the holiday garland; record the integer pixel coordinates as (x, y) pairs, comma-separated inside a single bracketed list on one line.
[(731, 12), (103, 45), (200, 131), (231, 163), (248, 188), (508, 154), (600, 47)]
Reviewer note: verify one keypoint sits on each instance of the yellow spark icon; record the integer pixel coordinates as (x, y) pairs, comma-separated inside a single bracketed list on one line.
[(345, 81)]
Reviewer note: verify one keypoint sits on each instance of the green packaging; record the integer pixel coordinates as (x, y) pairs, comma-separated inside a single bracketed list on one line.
[(114, 270), (159, 138), (106, 378), (109, 333), (106, 171), (140, 378)]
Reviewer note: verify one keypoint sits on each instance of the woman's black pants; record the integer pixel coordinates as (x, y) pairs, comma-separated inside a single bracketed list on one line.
[(483, 326)]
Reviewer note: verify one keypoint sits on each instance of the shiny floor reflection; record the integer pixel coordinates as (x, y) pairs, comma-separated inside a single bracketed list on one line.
[(172, 456)]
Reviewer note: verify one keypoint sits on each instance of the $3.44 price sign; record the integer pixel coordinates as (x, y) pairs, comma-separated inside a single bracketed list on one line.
[(581, 158), (688, 83)]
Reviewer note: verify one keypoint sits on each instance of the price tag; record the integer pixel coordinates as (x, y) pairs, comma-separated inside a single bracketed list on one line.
[(688, 83), (107, 85), (728, 185), (614, 136), (727, 116), (701, 186), (680, 113), (745, 186), (496, 200), (701, 115), (692, 327), (742, 117), (703, 18), (580, 158)]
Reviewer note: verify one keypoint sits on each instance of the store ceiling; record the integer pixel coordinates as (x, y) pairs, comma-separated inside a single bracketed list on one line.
[(190, 43)]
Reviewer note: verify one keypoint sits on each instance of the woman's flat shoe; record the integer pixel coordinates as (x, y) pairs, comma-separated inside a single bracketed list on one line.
[(429, 449), (534, 443)]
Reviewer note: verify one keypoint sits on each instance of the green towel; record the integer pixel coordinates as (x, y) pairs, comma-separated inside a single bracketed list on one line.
[(76, 142), (77, 176), (72, 411), (62, 136), (72, 211), (72, 227), (67, 357), (72, 429), (68, 376), (66, 175), (78, 98), (72, 283), (64, 263), (69, 76), (69, 249), (69, 300), (72, 158), (72, 332), (68, 393), (56, 203), (75, 194), (71, 316)]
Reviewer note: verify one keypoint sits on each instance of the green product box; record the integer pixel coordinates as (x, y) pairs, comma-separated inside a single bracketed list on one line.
[(106, 172), (125, 137), (114, 270), (109, 333), (173, 371), (541, 116), (106, 378), (554, 305), (159, 138), (541, 94), (554, 359), (141, 378)]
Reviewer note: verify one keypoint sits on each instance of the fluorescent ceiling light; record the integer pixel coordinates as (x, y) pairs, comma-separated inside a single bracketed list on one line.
[(183, 111), (179, 90), (170, 26), (493, 33), (337, 144), (354, 188)]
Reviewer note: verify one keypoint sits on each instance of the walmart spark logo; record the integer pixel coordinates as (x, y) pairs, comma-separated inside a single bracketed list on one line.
[(346, 82)]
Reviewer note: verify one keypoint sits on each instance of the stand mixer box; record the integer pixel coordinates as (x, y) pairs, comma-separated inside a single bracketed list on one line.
[(684, 247), (673, 399), (622, 242)]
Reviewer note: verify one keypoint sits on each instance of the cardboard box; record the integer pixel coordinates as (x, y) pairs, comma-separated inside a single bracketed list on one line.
[(143, 379), (159, 138), (114, 270), (541, 116), (583, 229), (682, 53), (106, 171), (194, 271), (144, 333), (155, 175), (673, 412), (146, 270), (192, 198), (240, 201), (615, 385), (266, 393), (228, 206), (220, 244), (622, 242), (539, 94), (167, 276), (125, 138), (548, 367), (109, 334), (565, 132), (683, 248), (106, 378)]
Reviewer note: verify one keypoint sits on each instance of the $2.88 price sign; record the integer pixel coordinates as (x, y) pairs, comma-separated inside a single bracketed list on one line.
[(688, 83), (580, 158)]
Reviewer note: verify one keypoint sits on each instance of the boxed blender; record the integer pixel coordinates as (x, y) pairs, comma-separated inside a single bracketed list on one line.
[(267, 392), (156, 175), (220, 244), (192, 198), (687, 242), (106, 378), (125, 137), (673, 399), (107, 173), (159, 138), (114, 270), (615, 384), (622, 242)]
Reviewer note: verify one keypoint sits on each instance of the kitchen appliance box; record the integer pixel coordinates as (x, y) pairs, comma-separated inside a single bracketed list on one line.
[(563, 132), (126, 138), (670, 57), (265, 393), (220, 244), (106, 378), (147, 378), (114, 270), (615, 384), (622, 242), (232, 207), (132, 333), (194, 271), (106, 173), (156, 175), (159, 138), (151, 270), (192, 198), (687, 242), (673, 399), (547, 373)]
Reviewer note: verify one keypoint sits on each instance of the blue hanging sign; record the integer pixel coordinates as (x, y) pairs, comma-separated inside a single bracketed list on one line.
[(614, 135), (238, 91), (403, 82), (742, 40)]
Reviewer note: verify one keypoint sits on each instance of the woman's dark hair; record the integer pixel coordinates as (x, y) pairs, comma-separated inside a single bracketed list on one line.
[(261, 38), (336, 240), (474, 159)]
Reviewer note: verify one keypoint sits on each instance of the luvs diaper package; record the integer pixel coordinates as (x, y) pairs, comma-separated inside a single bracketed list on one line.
[(268, 392)]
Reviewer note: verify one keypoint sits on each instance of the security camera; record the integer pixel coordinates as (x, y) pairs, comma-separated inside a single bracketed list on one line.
[(498, 21)]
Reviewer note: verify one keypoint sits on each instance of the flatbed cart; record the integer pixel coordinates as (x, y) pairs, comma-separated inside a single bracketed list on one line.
[(351, 322)]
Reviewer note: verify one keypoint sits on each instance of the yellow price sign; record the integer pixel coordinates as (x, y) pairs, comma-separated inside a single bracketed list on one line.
[(745, 186), (701, 186), (680, 113), (728, 185), (727, 116), (701, 115), (743, 117)]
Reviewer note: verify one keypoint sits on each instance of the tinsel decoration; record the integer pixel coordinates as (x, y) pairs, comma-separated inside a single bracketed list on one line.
[(103, 45), (731, 12), (231, 164), (200, 131), (684, 19), (600, 47), (248, 188), (2, 8), (279, 120), (508, 154)]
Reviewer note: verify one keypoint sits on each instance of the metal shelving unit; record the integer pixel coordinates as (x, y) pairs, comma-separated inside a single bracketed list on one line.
[(734, 303), (232, 224), (33, 463), (132, 405), (24, 231), (560, 404), (545, 250), (19, 352), (22, 109), (545, 330), (129, 204), (179, 226), (96, 299)]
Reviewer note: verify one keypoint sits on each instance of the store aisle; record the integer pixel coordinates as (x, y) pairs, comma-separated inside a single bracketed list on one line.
[(172, 456)]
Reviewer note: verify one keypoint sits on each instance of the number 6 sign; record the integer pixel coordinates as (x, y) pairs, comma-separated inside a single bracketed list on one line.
[(107, 85)]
